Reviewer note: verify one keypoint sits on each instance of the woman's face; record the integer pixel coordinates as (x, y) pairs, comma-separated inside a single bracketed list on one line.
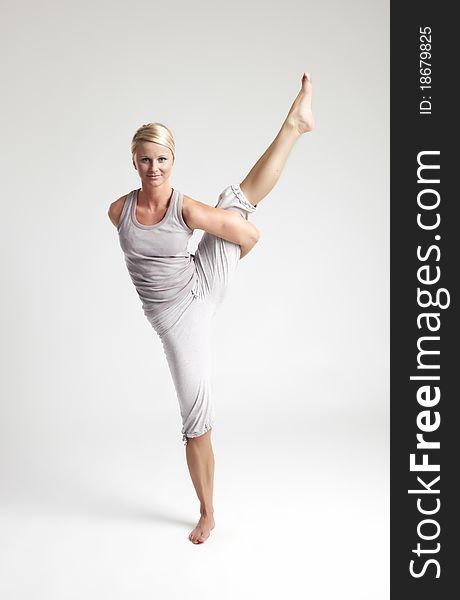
[(153, 162)]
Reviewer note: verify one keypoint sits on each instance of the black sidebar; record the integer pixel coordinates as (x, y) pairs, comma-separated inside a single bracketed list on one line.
[(425, 260)]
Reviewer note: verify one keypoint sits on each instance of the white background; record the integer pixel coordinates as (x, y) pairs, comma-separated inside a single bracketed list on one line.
[(96, 498)]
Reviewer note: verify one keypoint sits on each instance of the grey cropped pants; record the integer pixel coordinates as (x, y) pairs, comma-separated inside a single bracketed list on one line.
[(185, 329)]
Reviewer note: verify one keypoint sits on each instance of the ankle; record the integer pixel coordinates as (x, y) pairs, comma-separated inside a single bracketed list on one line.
[(291, 127), (207, 512)]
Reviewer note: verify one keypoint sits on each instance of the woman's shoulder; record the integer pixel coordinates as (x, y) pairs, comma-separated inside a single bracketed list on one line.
[(116, 208), (190, 205), (189, 202), (200, 215)]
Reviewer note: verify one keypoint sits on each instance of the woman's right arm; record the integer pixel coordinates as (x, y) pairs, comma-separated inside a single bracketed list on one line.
[(226, 224)]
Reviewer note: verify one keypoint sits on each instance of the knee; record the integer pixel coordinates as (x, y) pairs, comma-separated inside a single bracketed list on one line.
[(197, 439), (202, 436)]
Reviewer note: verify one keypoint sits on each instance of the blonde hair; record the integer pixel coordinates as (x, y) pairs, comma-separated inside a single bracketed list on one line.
[(154, 132)]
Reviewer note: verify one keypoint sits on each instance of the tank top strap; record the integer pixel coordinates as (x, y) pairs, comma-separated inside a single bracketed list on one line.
[(176, 212)]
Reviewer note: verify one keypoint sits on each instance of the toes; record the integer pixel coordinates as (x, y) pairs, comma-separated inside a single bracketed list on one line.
[(204, 536), (198, 538), (193, 537)]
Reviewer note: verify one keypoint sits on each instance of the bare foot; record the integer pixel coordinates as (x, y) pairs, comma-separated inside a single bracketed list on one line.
[(202, 530), (300, 114)]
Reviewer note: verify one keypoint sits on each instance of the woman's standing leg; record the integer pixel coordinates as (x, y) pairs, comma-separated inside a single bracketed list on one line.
[(216, 260), (267, 170), (200, 462)]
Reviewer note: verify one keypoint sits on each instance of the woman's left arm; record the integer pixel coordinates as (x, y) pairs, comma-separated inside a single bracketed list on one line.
[(226, 224)]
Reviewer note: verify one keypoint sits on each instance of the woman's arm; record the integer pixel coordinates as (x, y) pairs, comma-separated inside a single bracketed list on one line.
[(226, 224)]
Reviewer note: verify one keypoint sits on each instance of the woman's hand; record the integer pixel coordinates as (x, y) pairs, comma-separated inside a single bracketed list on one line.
[(226, 224)]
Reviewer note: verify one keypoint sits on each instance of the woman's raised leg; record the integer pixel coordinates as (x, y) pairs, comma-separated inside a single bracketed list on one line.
[(267, 170)]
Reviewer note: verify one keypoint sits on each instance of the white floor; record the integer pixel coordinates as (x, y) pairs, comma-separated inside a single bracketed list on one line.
[(301, 512)]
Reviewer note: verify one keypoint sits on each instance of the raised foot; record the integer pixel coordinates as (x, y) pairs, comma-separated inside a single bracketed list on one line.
[(202, 530), (300, 114)]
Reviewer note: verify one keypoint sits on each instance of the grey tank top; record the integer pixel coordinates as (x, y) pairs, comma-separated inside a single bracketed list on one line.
[(161, 268)]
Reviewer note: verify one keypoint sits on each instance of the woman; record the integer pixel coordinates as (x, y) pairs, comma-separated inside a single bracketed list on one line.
[(180, 292)]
